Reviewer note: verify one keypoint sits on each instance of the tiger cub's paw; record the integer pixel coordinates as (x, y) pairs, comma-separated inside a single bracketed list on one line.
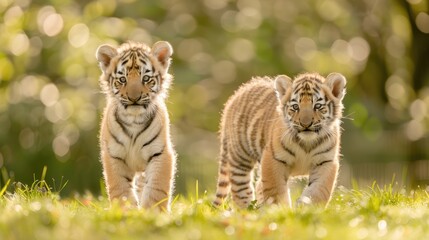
[(303, 201)]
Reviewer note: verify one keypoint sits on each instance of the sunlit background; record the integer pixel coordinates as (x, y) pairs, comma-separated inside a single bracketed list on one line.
[(50, 101)]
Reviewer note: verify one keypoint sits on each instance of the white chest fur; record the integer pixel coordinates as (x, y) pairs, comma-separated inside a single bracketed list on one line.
[(135, 135), (301, 157)]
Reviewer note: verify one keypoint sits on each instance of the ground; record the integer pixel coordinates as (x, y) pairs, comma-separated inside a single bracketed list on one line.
[(37, 212)]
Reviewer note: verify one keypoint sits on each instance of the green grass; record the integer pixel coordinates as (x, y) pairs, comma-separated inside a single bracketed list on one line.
[(37, 212)]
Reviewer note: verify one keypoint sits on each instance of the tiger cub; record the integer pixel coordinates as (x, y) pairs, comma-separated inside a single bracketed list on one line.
[(136, 151), (292, 128)]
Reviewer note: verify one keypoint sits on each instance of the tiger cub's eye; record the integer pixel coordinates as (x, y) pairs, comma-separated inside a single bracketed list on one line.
[(317, 106), (145, 78), (122, 80), (295, 107)]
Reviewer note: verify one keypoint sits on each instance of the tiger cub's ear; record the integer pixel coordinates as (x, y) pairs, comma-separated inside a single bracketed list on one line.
[(282, 84), (162, 50), (104, 55), (336, 82)]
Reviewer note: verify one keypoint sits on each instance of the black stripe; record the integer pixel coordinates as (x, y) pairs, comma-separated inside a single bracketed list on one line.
[(125, 61), (297, 88), (142, 61), (122, 124), (287, 149), (241, 167), (223, 184), (239, 190), (307, 86), (244, 159), (242, 197), (242, 148), (321, 163), (238, 174), (128, 178), (224, 148), (219, 195), (316, 86), (125, 56), (313, 146), (297, 140), (276, 158), (261, 144), (320, 141), (253, 134), (311, 182), (115, 138), (143, 55), (152, 139), (117, 158), (147, 125), (239, 183), (279, 160), (155, 155), (325, 150)]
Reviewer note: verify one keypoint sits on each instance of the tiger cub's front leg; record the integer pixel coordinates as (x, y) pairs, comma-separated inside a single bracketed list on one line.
[(273, 187), (321, 183), (158, 181), (118, 177)]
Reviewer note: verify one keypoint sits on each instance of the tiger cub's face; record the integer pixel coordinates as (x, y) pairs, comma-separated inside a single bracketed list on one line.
[(134, 74), (311, 104)]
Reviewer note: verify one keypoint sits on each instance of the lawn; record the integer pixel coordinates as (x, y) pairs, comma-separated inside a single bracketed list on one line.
[(37, 212)]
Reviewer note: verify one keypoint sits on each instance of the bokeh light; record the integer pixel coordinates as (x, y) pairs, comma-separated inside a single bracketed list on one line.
[(422, 22), (241, 50), (49, 94), (78, 35)]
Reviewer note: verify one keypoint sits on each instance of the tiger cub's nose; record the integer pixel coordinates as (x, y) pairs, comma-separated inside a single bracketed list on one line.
[(134, 98), (306, 121), (306, 124)]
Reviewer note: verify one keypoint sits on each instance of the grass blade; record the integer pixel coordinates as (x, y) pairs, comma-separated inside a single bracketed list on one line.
[(3, 190)]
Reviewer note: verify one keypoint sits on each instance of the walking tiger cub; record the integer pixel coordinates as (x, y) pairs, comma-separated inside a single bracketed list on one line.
[(291, 128), (136, 150)]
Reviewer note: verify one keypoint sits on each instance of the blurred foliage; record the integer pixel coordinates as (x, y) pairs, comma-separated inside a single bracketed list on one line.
[(50, 101)]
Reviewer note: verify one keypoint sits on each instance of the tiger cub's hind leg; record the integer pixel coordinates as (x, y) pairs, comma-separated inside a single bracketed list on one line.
[(223, 182), (241, 182)]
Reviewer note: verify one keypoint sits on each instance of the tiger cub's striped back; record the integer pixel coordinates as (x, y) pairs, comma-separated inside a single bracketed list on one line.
[(136, 150), (291, 128)]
